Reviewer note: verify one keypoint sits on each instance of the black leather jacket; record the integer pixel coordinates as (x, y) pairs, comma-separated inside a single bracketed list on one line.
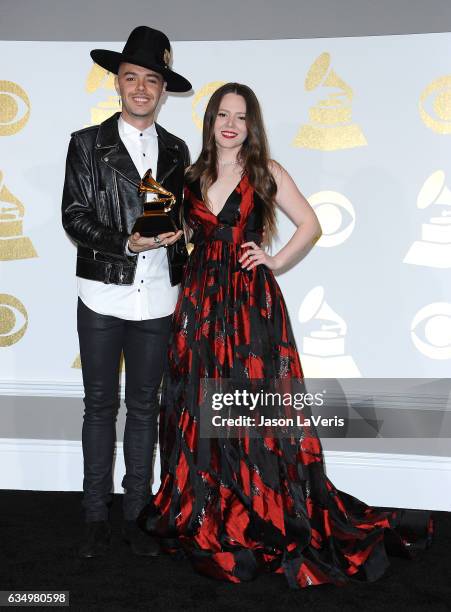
[(101, 201)]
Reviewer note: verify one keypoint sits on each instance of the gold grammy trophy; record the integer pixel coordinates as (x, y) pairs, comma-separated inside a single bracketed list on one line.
[(158, 209), (13, 245)]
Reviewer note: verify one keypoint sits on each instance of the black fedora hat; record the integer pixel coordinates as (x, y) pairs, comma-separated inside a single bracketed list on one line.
[(148, 48)]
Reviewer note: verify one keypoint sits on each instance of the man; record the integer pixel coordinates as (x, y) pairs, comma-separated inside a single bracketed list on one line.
[(127, 284)]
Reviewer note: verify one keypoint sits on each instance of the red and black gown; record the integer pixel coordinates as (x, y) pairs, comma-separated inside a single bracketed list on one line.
[(240, 507)]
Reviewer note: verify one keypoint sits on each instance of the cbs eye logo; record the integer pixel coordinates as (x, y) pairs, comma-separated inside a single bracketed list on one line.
[(336, 216), (14, 108), (435, 100), (200, 101), (13, 320), (435, 321)]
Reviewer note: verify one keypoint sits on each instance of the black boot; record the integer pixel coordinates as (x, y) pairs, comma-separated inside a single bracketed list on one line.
[(96, 539), (140, 542)]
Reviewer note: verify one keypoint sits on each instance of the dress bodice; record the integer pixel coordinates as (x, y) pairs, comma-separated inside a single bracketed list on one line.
[(240, 217)]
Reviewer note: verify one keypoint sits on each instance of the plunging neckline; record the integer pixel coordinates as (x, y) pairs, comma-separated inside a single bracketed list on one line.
[(227, 199)]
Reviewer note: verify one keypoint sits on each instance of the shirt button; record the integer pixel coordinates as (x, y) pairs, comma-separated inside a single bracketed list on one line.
[(139, 290), (140, 134), (142, 281), (144, 257)]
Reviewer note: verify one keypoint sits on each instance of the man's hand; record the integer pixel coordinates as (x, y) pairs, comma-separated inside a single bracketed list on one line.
[(138, 243)]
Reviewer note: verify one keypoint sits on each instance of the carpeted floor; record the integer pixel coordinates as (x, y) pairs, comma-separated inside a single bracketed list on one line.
[(40, 532)]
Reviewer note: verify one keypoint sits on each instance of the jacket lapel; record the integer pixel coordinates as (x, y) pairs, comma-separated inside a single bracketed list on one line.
[(119, 160), (116, 156), (114, 152)]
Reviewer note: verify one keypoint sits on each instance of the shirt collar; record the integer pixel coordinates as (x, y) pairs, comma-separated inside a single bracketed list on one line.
[(129, 130)]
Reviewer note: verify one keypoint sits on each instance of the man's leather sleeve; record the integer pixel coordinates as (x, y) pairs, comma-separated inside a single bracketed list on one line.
[(79, 214)]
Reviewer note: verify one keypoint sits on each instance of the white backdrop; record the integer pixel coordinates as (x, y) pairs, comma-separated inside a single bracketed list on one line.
[(364, 101), (362, 124)]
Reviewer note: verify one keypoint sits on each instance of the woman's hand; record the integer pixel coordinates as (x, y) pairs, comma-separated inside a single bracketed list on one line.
[(255, 256)]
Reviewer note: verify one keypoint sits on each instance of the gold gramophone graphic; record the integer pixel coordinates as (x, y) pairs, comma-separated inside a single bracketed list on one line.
[(200, 101), (13, 245), (323, 350), (441, 105), (434, 247), (158, 208), (99, 78), (330, 126)]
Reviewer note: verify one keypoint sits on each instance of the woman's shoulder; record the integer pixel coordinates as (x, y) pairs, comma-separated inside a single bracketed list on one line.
[(276, 169)]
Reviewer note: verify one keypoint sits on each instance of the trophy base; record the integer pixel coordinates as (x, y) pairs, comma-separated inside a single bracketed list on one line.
[(154, 225)]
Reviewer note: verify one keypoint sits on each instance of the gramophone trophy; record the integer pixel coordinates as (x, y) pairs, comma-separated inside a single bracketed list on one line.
[(158, 209)]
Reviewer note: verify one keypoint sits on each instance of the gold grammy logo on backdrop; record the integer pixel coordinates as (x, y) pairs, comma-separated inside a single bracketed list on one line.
[(200, 101), (99, 78), (331, 208), (14, 108), (323, 350), (12, 328), (13, 245), (434, 247), (440, 105), (330, 126)]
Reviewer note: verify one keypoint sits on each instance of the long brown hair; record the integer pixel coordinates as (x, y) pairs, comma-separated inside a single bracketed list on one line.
[(253, 155)]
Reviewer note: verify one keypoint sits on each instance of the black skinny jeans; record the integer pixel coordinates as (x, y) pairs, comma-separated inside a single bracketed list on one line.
[(144, 343)]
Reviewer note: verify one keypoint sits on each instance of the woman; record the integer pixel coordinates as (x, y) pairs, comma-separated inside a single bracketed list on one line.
[(241, 506)]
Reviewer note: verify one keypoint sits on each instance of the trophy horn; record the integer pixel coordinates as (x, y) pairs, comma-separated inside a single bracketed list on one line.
[(150, 187)]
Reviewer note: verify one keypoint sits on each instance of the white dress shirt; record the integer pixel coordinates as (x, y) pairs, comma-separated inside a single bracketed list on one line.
[(151, 295)]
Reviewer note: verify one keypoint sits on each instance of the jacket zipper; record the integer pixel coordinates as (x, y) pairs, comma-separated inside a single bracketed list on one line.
[(116, 198)]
